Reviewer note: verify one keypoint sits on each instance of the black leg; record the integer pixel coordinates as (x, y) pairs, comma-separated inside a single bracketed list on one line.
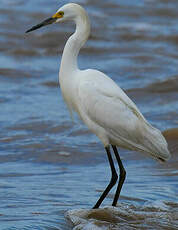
[(121, 177), (112, 181)]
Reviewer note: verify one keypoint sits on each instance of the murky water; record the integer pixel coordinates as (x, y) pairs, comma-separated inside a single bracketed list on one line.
[(50, 166)]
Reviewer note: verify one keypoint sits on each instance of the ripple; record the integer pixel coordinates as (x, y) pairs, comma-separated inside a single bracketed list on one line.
[(49, 164)]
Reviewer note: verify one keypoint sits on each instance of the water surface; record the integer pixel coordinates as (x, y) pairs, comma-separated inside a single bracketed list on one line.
[(51, 166)]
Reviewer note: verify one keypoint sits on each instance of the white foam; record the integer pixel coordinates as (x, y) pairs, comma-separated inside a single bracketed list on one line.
[(64, 153), (93, 219), (123, 217)]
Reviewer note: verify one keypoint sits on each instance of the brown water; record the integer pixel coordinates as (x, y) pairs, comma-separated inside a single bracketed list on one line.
[(52, 171)]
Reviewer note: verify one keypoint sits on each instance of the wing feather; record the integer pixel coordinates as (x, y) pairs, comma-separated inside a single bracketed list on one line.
[(107, 110), (107, 105)]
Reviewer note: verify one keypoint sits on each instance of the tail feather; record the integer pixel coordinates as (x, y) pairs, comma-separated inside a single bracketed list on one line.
[(155, 142)]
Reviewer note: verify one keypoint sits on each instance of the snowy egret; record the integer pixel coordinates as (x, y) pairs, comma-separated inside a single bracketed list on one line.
[(101, 104)]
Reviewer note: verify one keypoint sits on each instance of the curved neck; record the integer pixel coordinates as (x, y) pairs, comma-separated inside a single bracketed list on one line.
[(74, 43)]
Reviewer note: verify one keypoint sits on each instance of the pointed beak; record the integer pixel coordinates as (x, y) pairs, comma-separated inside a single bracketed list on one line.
[(44, 23)]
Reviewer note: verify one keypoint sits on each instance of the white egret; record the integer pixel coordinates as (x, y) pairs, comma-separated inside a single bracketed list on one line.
[(101, 104)]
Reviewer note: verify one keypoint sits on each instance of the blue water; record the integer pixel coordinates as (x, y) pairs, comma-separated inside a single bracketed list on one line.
[(49, 164)]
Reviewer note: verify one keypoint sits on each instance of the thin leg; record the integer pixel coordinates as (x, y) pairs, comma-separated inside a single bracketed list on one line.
[(112, 181), (121, 177)]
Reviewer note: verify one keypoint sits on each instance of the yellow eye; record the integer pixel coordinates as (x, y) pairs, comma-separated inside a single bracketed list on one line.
[(59, 14)]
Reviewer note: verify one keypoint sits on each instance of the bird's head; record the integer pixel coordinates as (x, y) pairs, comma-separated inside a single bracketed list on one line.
[(67, 12)]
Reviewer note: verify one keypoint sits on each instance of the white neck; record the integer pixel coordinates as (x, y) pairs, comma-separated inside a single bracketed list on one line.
[(74, 43)]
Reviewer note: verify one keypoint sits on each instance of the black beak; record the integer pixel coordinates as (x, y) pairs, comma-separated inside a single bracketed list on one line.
[(44, 23)]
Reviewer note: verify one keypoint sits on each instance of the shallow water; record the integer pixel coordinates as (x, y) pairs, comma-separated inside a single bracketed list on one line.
[(51, 167)]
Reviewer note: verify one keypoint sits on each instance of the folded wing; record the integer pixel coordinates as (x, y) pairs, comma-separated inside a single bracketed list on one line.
[(108, 106)]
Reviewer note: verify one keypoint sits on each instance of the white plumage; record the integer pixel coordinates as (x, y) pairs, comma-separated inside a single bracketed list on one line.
[(101, 103)]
